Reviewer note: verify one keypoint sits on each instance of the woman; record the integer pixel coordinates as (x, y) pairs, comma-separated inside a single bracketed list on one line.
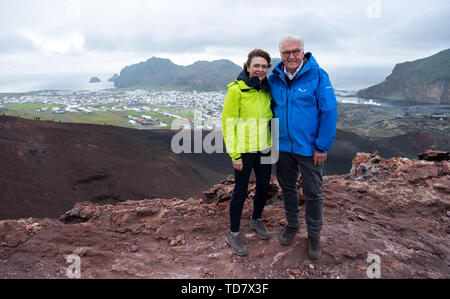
[(245, 123)]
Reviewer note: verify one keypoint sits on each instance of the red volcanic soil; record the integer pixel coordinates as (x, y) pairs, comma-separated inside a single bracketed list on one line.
[(46, 167), (397, 210)]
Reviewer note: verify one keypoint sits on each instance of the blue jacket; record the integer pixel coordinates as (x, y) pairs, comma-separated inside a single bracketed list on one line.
[(307, 111)]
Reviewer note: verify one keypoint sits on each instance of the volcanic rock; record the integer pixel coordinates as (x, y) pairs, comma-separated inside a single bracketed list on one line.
[(431, 155), (395, 208)]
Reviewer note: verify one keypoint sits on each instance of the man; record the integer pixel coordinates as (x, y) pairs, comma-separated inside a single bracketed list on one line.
[(306, 106)]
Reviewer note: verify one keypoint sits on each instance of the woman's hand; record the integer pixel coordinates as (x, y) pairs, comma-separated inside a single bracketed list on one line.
[(238, 165)]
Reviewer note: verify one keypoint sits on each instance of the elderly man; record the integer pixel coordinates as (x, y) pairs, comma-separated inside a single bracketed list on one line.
[(306, 106)]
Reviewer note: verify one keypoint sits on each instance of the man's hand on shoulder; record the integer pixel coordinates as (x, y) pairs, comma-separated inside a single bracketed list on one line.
[(319, 158)]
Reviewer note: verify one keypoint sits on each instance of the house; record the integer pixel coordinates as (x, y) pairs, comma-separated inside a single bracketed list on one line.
[(439, 117)]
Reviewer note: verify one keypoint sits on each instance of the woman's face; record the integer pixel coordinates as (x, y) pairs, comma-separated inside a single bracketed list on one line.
[(258, 67)]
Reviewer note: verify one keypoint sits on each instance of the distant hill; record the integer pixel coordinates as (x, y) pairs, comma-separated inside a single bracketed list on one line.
[(274, 63), (159, 73), (425, 80)]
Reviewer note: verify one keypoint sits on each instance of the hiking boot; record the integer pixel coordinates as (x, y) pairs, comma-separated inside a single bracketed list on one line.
[(314, 247), (288, 235), (234, 240), (261, 230)]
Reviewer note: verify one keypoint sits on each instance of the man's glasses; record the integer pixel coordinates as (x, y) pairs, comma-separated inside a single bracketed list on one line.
[(287, 54)]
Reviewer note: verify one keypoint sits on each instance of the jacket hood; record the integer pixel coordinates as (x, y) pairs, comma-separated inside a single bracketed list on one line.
[(309, 63), (254, 81)]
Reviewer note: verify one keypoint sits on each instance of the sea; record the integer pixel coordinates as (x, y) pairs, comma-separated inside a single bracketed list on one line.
[(52, 81)]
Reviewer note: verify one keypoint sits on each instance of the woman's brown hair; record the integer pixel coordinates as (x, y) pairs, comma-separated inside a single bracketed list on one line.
[(257, 53)]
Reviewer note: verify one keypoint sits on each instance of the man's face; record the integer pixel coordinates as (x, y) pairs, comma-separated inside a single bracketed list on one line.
[(292, 55)]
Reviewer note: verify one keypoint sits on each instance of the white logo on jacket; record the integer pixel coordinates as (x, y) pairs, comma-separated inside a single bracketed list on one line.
[(303, 90)]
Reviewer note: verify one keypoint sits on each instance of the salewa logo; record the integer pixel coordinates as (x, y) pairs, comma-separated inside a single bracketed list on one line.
[(302, 90)]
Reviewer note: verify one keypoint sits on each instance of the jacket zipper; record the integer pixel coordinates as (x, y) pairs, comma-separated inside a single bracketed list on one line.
[(259, 121), (287, 110)]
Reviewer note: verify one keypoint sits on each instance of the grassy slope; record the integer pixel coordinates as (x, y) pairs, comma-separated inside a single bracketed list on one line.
[(114, 118)]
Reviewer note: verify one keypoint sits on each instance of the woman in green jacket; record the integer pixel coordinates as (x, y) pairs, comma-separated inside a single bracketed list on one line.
[(245, 125)]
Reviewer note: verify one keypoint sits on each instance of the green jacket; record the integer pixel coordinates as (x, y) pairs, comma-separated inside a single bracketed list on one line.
[(246, 116)]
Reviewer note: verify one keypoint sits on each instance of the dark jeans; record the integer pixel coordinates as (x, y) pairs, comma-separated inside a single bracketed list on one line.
[(289, 166), (262, 173)]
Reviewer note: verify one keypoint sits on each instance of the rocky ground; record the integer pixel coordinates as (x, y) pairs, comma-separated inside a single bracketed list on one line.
[(398, 209), (393, 120)]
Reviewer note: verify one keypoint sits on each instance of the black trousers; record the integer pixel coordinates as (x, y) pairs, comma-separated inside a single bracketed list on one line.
[(262, 174)]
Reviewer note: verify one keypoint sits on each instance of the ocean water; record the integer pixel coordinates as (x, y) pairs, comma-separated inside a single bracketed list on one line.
[(36, 82), (357, 78)]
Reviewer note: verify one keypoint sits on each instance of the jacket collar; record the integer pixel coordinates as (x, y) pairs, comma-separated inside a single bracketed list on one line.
[(254, 81)]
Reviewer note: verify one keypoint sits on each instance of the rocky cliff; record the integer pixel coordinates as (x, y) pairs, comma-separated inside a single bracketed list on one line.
[(424, 80), (163, 74), (397, 209)]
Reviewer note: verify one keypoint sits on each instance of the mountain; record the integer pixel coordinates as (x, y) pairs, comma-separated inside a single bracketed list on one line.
[(159, 73), (425, 80), (274, 63)]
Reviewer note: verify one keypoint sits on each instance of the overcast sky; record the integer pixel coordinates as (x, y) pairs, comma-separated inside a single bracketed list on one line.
[(89, 36)]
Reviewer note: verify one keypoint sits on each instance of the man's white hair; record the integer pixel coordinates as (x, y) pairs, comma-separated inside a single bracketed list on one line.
[(290, 38)]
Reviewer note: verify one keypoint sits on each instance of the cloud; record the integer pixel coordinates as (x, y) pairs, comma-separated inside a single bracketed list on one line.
[(426, 30), (71, 41), (341, 32)]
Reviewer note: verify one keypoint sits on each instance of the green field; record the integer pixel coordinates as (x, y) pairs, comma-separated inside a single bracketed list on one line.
[(113, 118), (31, 106)]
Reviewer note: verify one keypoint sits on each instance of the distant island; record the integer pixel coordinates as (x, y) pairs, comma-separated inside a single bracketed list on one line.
[(163, 74), (425, 80), (95, 80)]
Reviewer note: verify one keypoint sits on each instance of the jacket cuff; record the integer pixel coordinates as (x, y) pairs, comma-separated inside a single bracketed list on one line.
[(319, 150), (235, 159)]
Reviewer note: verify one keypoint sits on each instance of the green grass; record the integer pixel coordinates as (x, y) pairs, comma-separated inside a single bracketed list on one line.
[(31, 106), (113, 118), (395, 96)]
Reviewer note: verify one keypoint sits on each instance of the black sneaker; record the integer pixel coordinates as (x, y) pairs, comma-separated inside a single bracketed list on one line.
[(234, 240), (314, 247), (288, 235), (261, 230)]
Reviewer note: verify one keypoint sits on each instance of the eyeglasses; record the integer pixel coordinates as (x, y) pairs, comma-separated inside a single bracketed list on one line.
[(287, 54)]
